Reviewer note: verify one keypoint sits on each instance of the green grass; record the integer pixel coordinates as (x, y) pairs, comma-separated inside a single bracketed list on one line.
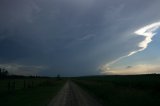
[(19, 83), (142, 90), (36, 96)]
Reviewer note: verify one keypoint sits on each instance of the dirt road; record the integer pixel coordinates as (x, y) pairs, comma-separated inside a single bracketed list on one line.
[(72, 95)]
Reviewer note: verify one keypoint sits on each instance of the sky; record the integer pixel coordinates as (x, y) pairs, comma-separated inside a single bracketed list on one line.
[(79, 37)]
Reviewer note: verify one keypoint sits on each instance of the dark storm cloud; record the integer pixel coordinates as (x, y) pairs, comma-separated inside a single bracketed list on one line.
[(71, 37)]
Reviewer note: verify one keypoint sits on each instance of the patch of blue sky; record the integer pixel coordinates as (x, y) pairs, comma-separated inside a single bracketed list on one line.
[(151, 55)]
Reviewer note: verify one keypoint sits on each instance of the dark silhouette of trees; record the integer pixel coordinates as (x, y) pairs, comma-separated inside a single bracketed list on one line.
[(58, 77), (3, 73)]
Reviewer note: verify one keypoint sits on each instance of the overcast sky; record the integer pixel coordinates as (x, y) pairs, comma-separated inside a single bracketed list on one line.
[(79, 37)]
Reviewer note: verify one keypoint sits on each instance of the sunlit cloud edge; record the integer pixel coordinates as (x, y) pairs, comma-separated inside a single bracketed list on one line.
[(148, 31)]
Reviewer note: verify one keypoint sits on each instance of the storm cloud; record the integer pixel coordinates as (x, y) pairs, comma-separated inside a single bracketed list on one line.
[(71, 37)]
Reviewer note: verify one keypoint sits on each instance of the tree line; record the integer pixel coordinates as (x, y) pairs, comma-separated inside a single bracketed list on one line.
[(3, 73)]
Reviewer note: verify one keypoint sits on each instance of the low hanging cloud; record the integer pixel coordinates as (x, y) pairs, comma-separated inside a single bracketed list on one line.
[(137, 69), (18, 69), (148, 31)]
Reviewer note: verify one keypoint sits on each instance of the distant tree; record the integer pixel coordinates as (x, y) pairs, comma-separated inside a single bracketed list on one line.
[(58, 77), (0, 72), (3, 73)]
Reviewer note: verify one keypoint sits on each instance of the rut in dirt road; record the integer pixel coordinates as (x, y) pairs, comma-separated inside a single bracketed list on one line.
[(72, 95)]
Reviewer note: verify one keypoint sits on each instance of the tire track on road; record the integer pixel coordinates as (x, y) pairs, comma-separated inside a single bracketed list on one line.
[(72, 95)]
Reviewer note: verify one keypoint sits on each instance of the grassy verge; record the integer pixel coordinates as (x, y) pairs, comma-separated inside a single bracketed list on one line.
[(123, 90), (36, 96)]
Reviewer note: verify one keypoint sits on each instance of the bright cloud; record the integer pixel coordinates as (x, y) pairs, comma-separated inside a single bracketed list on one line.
[(148, 32)]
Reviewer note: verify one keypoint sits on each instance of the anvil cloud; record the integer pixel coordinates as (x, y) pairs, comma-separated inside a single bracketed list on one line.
[(73, 37)]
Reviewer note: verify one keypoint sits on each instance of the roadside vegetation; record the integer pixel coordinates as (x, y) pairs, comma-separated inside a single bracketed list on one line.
[(133, 90), (28, 90)]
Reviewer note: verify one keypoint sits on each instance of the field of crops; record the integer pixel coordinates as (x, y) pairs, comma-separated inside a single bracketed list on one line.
[(28, 91), (135, 90)]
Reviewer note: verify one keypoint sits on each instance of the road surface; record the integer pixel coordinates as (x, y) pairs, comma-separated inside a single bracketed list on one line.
[(72, 95)]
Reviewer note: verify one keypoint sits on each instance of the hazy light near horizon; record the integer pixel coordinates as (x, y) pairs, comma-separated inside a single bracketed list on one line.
[(133, 70), (148, 32)]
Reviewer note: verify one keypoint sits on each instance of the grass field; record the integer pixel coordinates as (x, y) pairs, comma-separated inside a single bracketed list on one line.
[(29, 92), (136, 90)]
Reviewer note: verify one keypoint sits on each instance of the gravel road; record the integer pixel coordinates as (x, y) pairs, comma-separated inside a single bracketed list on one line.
[(73, 95)]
